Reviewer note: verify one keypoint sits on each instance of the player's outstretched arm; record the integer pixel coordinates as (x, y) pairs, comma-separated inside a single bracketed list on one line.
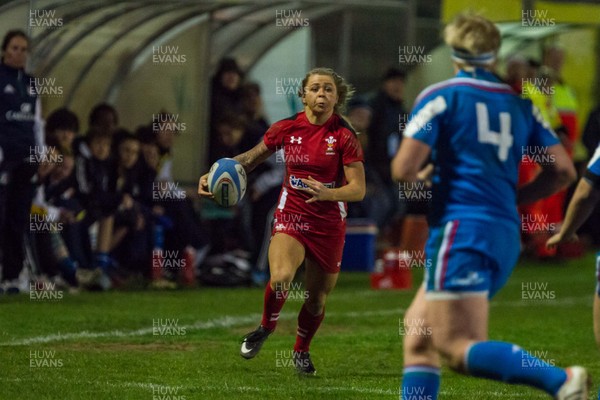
[(353, 190), (406, 165), (583, 202), (554, 177), (254, 156)]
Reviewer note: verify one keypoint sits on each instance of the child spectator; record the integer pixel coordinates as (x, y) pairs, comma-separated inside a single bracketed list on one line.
[(99, 197), (131, 244)]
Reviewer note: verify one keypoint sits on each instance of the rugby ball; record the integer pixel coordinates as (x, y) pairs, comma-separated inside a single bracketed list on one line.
[(227, 181)]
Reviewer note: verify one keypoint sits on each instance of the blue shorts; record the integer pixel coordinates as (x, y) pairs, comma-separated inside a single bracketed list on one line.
[(470, 258)]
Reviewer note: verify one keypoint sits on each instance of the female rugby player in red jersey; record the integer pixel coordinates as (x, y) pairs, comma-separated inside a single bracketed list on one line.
[(324, 170)]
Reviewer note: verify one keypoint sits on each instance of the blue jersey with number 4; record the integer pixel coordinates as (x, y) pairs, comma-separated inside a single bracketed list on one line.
[(478, 129)]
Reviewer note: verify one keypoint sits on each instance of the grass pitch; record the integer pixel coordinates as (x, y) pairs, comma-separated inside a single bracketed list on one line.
[(183, 345)]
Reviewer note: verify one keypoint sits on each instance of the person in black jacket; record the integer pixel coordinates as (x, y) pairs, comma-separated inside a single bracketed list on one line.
[(97, 193), (131, 239), (20, 138), (385, 134)]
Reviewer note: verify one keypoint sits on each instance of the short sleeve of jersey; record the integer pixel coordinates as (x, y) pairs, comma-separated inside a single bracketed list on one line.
[(274, 136), (592, 175), (426, 118), (351, 148), (542, 134)]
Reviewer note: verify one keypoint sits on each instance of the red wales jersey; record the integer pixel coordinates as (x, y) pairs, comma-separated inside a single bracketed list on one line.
[(320, 151)]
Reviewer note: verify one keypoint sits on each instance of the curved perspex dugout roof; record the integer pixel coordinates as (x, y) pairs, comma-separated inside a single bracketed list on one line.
[(110, 39), (107, 50)]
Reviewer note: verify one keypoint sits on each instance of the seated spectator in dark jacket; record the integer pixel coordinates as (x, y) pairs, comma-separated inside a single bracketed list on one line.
[(96, 191), (131, 245), (226, 93), (229, 134), (62, 126), (253, 112), (53, 256), (186, 237), (105, 117)]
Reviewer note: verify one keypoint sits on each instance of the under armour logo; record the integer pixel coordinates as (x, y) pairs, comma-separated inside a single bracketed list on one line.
[(9, 89), (296, 140)]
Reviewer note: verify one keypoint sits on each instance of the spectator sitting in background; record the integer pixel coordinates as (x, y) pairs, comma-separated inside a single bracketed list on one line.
[(149, 163), (226, 93), (186, 238), (131, 240), (62, 126), (100, 199), (229, 134), (103, 117), (253, 111), (55, 262)]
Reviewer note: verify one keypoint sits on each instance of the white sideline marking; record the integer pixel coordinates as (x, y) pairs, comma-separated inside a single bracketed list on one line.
[(226, 388), (223, 322), (232, 321)]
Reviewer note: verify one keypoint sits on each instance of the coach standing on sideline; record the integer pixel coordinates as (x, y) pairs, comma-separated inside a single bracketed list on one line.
[(20, 132)]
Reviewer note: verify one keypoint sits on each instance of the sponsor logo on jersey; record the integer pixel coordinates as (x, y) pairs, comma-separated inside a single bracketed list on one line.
[(297, 183), (330, 144), (24, 115), (295, 139), (9, 89)]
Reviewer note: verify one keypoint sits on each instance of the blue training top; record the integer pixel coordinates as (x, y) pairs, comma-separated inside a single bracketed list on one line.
[(478, 128), (592, 175)]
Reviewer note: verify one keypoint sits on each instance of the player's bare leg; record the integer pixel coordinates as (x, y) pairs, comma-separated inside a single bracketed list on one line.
[(417, 339), (318, 286), (421, 373), (456, 325), (285, 256), (459, 328)]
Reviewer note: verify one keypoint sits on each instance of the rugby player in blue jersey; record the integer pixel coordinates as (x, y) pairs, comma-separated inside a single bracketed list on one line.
[(474, 128), (584, 200)]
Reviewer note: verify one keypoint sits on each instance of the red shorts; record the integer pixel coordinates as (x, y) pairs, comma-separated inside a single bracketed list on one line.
[(322, 245)]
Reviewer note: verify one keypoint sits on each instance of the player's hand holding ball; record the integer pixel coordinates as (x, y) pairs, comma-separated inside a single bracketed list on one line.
[(225, 182)]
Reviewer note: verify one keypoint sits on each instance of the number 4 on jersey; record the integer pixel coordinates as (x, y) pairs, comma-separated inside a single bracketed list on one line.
[(503, 140)]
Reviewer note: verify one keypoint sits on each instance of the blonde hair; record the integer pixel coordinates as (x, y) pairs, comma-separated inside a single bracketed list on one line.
[(474, 39), (343, 88)]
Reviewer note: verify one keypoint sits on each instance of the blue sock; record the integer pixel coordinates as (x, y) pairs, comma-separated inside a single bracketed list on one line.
[(67, 268), (509, 363), (102, 260), (420, 382), (599, 395)]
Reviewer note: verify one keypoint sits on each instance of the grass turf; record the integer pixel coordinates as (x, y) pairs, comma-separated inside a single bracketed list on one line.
[(183, 345)]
